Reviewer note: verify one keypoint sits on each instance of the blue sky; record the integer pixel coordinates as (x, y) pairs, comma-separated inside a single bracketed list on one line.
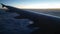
[(32, 3)]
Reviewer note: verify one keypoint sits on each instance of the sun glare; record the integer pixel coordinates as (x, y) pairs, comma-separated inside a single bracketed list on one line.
[(39, 6)]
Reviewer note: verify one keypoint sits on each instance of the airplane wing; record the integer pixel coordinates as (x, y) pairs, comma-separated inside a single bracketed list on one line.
[(48, 24)]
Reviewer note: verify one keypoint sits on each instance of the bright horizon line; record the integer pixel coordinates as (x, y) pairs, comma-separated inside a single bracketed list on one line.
[(39, 6)]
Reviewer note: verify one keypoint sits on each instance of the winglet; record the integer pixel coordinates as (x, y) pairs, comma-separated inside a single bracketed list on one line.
[(2, 5)]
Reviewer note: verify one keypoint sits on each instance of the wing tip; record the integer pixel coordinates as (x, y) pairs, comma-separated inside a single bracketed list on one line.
[(2, 5)]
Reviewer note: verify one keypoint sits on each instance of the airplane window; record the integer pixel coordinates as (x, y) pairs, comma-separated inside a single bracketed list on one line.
[(16, 16)]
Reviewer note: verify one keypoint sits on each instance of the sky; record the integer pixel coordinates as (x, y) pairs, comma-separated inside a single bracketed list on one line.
[(32, 4)]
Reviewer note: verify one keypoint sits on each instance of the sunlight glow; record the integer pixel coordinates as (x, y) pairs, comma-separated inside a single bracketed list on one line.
[(40, 6)]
